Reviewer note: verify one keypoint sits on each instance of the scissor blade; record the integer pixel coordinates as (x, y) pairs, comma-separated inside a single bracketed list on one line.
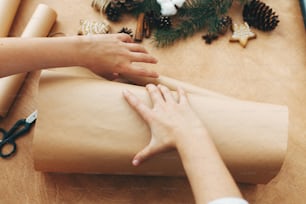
[(31, 118)]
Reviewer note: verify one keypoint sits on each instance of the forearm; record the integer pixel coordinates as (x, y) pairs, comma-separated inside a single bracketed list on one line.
[(19, 55), (208, 175), (105, 55)]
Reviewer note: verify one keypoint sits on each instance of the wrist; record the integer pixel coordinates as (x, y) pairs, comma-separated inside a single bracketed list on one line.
[(75, 50), (62, 52), (184, 138)]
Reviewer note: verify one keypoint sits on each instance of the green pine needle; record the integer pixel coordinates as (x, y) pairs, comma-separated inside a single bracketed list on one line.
[(195, 15)]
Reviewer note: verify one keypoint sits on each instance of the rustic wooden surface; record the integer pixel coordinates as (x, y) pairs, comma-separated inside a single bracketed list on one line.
[(271, 69)]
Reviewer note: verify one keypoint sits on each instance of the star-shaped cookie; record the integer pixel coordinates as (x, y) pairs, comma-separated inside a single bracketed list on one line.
[(242, 34)]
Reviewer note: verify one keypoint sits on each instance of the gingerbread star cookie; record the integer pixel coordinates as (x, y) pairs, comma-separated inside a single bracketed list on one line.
[(242, 34)]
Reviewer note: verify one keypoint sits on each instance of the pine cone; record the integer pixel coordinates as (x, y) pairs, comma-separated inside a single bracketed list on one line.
[(224, 23), (125, 4), (260, 16), (164, 22), (113, 14)]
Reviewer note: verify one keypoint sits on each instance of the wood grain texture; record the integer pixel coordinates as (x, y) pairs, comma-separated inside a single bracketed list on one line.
[(271, 69)]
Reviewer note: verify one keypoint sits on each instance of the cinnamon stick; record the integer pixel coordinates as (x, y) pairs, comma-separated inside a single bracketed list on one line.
[(139, 30)]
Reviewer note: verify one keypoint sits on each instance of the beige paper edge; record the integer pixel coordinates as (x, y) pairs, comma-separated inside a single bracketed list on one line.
[(39, 25), (85, 125)]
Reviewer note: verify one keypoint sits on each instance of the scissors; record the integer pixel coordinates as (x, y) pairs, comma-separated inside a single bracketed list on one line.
[(7, 144)]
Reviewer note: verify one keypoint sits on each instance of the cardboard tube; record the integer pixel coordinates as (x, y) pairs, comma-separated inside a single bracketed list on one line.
[(8, 9), (39, 25)]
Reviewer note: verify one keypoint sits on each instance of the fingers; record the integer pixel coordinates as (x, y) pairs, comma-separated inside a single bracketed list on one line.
[(110, 76), (139, 71), (125, 38), (143, 57), (155, 94), (166, 93), (136, 48), (182, 96), (143, 155), (137, 105)]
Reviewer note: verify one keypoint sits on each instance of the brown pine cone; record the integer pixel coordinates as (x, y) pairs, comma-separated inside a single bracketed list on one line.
[(260, 16)]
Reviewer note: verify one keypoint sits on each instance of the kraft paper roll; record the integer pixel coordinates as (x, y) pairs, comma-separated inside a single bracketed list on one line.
[(8, 9), (86, 126), (39, 25)]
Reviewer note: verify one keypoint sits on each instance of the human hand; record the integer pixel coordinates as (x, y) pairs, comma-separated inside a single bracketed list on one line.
[(170, 121), (111, 54)]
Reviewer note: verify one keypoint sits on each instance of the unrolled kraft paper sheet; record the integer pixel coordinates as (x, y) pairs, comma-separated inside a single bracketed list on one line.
[(39, 25), (85, 125)]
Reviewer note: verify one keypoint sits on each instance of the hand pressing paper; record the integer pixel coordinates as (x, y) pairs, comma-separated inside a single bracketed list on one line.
[(86, 126)]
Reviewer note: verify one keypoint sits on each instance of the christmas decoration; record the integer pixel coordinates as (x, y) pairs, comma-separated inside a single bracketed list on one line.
[(222, 26), (260, 16), (209, 38), (172, 20), (125, 4), (151, 21), (114, 8), (242, 33), (126, 31), (93, 27), (113, 14), (194, 16), (169, 7), (140, 27), (164, 22)]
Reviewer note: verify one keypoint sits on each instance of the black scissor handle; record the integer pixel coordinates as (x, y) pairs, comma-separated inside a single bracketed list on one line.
[(7, 141), (9, 137), (11, 151), (18, 129)]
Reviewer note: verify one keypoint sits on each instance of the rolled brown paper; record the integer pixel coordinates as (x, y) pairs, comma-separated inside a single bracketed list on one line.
[(85, 126), (8, 9), (39, 25)]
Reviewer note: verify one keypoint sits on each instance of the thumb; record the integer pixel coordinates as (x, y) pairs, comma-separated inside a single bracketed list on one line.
[(144, 154)]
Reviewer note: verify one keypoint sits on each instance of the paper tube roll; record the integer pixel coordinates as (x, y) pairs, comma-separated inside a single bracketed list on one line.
[(41, 22), (39, 25), (93, 130), (8, 9)]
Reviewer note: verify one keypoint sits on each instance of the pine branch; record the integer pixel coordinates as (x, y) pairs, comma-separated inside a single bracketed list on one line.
[(243, 2), (147, 6), (167, 37), (194, 16)]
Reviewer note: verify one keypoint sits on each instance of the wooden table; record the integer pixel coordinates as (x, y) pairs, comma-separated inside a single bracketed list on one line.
[(271, 69)]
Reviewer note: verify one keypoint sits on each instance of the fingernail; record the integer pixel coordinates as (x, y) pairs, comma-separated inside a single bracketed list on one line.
[(135, 162)]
